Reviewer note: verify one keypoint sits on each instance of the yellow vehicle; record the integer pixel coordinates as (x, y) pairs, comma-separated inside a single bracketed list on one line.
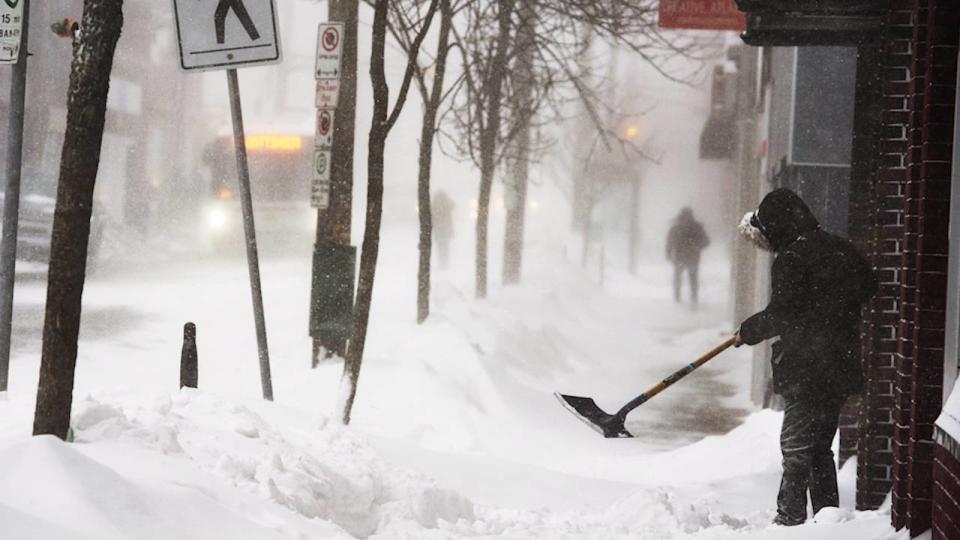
[(280, 177)]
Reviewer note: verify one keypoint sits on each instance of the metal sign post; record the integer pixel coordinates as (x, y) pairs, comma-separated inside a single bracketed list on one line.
[(13, 27), (226, 35), (249, 231)]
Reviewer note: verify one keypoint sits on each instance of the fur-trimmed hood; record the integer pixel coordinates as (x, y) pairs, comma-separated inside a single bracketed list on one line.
[(781, 218)]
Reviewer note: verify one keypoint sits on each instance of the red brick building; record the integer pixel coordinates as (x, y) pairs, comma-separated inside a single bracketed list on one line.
[(905, 215)]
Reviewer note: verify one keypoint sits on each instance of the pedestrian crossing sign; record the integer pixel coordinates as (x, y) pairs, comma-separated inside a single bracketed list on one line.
[(226, 34)]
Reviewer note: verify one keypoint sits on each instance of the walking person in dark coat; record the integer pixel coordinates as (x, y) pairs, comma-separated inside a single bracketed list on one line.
[(819, 283), (685, 241)]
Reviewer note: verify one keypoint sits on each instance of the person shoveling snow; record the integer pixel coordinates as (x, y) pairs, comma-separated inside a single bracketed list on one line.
[(819, 283)]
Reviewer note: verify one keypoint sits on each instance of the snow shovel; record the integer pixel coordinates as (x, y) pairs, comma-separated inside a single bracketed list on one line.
[(611, 425)]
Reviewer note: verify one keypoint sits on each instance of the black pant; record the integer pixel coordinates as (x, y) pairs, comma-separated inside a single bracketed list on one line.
[(692, 269), (809, 424)]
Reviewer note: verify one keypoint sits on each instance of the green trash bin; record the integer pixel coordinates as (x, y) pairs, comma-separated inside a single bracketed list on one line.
[(331, 291)]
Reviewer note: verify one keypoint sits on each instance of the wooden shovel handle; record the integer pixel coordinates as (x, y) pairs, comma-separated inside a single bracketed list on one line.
[(676, 376)]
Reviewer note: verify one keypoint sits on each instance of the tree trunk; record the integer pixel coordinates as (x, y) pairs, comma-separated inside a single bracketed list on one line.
[(427, 132), (516, 210), (581, 204), (376, 143), (517, 183), (493, 86), (80, 158), (333, 224)]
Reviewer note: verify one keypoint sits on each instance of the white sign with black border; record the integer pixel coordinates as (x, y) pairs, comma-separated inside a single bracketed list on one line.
[(226, 34), (329, 45), (320, 190), (11, 29)]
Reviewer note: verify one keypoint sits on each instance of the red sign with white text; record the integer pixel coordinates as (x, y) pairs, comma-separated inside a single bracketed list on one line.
[(702, 15)]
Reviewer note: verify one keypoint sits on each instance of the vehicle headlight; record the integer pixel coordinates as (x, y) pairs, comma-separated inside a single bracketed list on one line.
[(216, 218)]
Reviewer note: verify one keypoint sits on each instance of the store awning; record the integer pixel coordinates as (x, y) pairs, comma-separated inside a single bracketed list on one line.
[(797, 23)]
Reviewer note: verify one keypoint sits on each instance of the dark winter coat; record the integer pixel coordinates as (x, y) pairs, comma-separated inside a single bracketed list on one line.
[(686, 240), (819, 283)]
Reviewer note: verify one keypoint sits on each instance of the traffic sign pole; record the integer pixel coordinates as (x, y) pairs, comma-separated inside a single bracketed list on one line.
[(11, 199), (253, 260), (226, 35), (334, 260)]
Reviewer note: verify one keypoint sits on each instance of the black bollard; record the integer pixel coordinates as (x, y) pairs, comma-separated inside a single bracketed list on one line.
[(188, 357)]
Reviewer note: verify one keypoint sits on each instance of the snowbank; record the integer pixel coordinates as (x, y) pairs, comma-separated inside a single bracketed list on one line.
[(195, 466), (192, 465)]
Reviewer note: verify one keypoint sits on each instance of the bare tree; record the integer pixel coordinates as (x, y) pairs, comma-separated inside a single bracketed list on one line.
[(402, 26), (478, 111), (383, 121), (93, 54), (494, 109), (523, 111), (432, 100)]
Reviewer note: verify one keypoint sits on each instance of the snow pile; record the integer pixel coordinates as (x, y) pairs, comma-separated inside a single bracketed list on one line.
[(193, 465), (138, 468)]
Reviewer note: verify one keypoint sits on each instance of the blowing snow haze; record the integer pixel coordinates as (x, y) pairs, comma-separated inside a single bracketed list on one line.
[(457, 212)]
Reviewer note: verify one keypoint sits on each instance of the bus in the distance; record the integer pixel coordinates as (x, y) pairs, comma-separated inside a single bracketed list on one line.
[(280, 176)]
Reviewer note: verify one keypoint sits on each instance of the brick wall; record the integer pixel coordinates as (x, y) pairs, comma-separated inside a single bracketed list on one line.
[(882, 212), (902, 445), (935, 503), (924, 246), (946, 488), (863, 164)]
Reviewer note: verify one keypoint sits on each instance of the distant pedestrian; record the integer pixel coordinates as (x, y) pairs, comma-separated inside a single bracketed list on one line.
[(818, 284), (441, 210), (685, 241)]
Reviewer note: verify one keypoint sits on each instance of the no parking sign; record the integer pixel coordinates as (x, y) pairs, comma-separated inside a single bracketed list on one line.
[(324, 135), (329, 45)]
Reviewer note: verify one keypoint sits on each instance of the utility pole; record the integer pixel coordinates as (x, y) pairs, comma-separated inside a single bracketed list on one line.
[(11, 199), (334, 259)]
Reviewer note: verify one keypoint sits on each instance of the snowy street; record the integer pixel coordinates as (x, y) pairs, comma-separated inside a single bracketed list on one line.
[(463, 403), (411, 261)]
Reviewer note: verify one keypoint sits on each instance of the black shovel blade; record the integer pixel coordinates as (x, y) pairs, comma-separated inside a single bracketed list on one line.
[(584, 408)]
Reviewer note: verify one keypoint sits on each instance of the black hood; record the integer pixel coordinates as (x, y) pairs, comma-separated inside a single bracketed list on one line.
[(783, 217)]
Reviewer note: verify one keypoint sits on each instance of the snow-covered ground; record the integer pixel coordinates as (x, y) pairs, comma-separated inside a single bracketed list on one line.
[(456, 433)]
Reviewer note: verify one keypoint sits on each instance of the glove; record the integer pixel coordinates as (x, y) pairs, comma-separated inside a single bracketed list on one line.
[(751, 330)]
